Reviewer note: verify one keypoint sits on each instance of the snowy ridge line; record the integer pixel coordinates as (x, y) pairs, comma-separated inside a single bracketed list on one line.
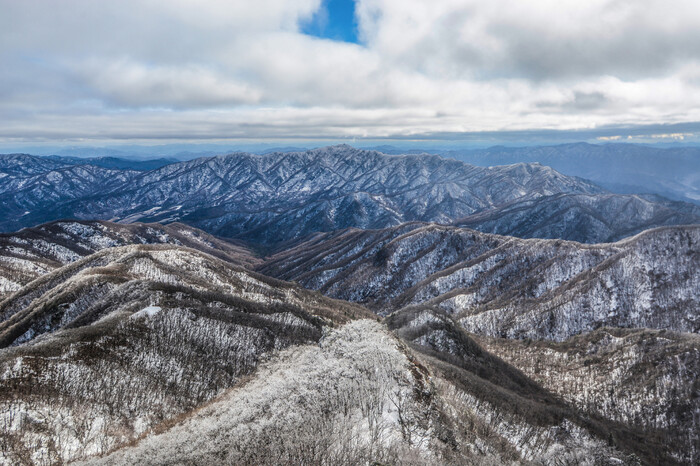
[(116, 343), (330, 188), (505, 286), (359, 395), (147, 264), (58, 243)]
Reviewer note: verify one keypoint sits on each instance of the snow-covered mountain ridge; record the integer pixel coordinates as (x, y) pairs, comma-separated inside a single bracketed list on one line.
[(504, 286), (140, 345), (32, 252), (103, 349), (183, 325), (280, 196), (406, 413)]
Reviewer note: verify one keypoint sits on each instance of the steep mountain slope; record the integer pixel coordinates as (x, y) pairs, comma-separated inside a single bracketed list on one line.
[(363, 397), (585, 218), (508, 287), (643, 378), (638, 387), (32, 252), (106, 348), (281, 195)]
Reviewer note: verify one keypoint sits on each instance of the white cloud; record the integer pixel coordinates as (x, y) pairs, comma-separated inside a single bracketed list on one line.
[(544, 39), (186, 68), (133, 84)]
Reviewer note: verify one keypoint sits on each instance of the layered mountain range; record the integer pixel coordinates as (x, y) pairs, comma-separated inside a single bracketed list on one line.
[(364, 319), (161, 353), (281, 196), (32, 252), (504, 286), (623, 168), (573, 380)]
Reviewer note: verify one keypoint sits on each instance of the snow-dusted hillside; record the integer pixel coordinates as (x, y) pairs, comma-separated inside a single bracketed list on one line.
[(280, 196), (85, 291), (178, 355), (32, 252), (103, 349), (586, 218), (504, 286), (361, 397), (638, 377)]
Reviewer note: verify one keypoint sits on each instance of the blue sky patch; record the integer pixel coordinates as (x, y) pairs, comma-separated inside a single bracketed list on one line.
[(335, 20)]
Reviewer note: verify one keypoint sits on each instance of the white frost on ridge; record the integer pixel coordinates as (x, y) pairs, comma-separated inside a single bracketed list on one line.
[(148, 311)]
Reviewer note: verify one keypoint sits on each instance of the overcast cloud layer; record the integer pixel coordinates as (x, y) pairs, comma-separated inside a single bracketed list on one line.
[(189, 69)]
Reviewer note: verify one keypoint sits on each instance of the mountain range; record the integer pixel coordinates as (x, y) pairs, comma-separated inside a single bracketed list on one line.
[(503, 286), (564, 318), (624, 168), (340, 306), (274, 197), (165, 353)]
